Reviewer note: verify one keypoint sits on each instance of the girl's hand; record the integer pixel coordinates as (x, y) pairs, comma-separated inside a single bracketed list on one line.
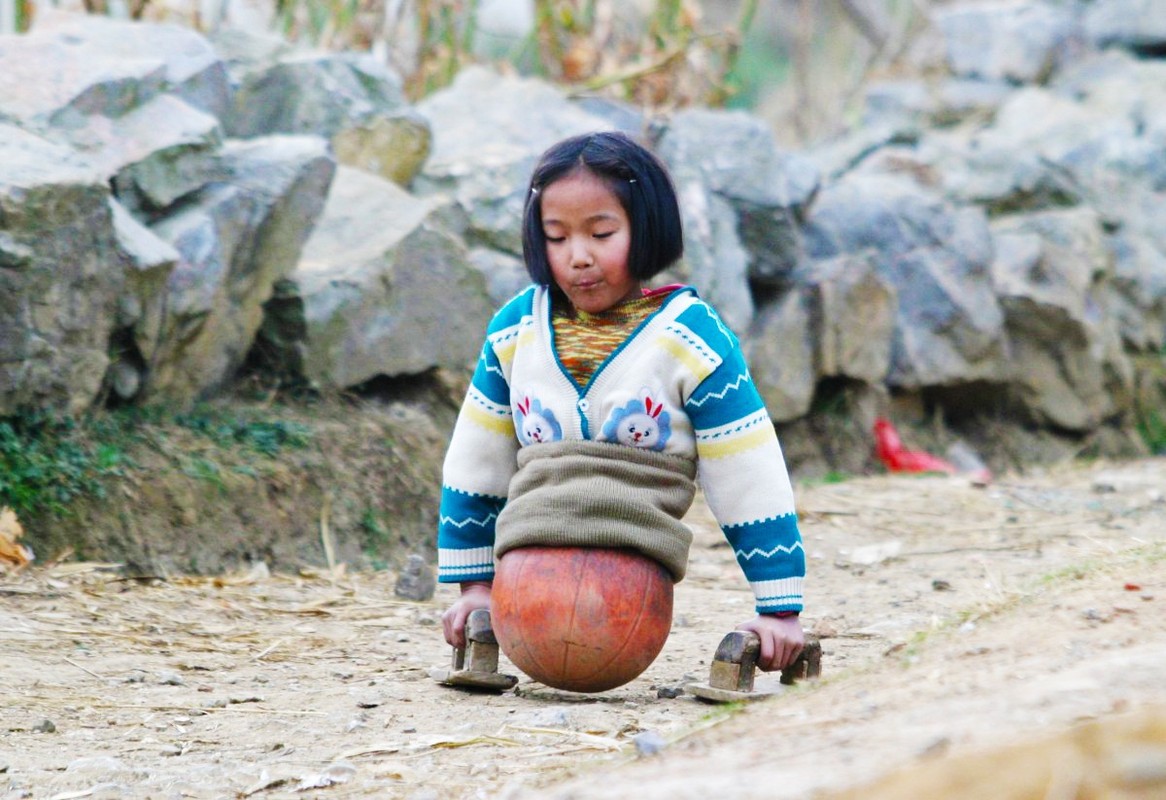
[(782, 640), (475, 595)]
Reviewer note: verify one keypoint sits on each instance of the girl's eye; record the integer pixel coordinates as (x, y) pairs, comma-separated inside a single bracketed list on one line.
[(604, 235), (554, 239)]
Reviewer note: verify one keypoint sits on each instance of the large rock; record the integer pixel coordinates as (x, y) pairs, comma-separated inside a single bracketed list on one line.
[(1051, 272), (141, 311), (1018, 42), (236, 240), (780, 352), (80, 83), (378, 292), (60, 276), (1138, 245), (853, 310), (937, 257), (154, 154), (485, 166), (742, 201), (190, 67), (1138, 25), (838, 322), (350, 98)]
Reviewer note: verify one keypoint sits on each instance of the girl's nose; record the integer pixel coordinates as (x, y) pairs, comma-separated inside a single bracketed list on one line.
[(580, 254)]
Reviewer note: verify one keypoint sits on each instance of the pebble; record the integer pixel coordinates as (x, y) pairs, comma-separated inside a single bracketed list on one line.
[(416, 581), (669, 692), (106, 764), (553, 717), (648, 743), (44, 726), (168, 678)]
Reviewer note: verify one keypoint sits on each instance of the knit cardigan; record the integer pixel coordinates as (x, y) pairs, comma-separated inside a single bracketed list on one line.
[(678, 386)]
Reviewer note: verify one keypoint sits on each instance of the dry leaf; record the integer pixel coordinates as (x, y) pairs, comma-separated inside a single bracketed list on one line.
[(12, 552)]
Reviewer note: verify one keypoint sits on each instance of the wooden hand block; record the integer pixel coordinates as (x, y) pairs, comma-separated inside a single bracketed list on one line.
[(735, 663), (475, 666)]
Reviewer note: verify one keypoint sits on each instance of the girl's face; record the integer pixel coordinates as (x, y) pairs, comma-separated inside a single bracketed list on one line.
[(588, 236)]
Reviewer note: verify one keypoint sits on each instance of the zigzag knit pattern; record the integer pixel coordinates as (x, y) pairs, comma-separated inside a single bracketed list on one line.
[(678, 385)]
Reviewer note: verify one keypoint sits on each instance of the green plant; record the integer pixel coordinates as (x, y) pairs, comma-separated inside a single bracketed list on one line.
[(266, 437), (376, 539), (1151, 426), (47, 461)]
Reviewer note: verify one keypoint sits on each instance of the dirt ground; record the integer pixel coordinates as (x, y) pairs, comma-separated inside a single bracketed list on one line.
[(953, 618)]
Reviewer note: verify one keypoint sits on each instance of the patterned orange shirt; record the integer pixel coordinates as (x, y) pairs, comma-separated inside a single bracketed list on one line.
[(583, 341)]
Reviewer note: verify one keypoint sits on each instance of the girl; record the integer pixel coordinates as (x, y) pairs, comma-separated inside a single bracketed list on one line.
[(596, 403)]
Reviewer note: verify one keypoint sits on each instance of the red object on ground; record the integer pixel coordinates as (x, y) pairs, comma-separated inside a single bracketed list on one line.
[(583, 619), (889, 448)]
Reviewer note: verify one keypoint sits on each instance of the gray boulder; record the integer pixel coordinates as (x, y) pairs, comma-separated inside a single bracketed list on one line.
[(147, 261), (912, 105), (236, 240), (378, 292), (1138, 247), (780, 351), (1052, 276), (1133, 24), (191, 69), (154, 154), (937, 256), (853, 309), (60, 276), (81, 82), (485, 167), (742, 199), (350, 98), (1018, 42)]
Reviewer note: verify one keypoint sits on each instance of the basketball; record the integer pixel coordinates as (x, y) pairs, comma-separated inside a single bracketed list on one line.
[(583, 619)]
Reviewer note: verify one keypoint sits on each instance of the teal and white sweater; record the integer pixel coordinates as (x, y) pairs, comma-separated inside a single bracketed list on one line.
[(678, 386)]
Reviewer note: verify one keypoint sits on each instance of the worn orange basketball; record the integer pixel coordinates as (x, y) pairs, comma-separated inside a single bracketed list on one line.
[(584, 619)]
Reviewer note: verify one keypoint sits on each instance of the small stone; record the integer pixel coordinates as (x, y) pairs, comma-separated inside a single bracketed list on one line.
[(44, 726), (551, 717), (168, 678), (171, 750), (941, 585), (416, 581), (669, 692), (648, 743), (102, 764)]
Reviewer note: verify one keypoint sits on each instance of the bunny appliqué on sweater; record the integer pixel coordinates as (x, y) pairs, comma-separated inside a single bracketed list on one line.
[(642, 422), (535, 424)]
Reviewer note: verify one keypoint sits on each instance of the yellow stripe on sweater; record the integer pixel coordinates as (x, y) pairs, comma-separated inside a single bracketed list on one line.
[(491, 422), (726, 447), (697, 366)]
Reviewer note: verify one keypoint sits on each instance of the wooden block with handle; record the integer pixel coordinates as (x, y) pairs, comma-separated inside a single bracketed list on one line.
[(475, 666), (735, 664)]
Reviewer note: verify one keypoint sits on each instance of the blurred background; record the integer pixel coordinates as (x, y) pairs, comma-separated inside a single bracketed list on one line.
[(798, 64)]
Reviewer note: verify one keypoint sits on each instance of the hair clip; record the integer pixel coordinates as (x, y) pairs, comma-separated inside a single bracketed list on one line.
[(534, 190), (631, 180)]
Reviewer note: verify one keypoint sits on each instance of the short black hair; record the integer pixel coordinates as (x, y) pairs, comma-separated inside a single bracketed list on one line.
[(635, 176)]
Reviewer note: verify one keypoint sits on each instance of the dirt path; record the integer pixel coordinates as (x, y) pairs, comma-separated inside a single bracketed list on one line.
[(952, 618)]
